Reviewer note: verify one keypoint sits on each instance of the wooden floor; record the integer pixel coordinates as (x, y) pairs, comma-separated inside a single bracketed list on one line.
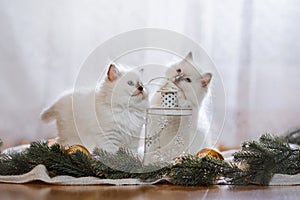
[(40, 191)]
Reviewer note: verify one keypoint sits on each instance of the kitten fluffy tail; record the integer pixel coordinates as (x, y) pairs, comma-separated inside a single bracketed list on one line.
[(48, 114)]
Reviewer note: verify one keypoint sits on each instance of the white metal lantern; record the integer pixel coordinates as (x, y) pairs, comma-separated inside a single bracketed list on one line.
[(168, 128)]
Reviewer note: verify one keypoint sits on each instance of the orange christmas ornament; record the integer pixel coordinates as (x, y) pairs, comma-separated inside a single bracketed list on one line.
[(72, 149), (209, 152)]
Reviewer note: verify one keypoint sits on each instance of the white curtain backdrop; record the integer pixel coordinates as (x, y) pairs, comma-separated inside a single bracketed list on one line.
[(254, 44)]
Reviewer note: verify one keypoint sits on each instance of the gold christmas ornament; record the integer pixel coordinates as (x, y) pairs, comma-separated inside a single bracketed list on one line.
[(72, 149), (209, 152)]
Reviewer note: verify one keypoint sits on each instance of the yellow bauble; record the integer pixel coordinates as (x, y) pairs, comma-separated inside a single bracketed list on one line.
[(78, 147), (209, 152)]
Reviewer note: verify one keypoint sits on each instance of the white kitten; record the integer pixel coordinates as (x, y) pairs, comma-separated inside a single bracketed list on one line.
[(193, 88), (110, 117), (179, 132)]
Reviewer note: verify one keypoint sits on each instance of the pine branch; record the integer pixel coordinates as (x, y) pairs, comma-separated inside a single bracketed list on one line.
[(59, 162), (1, 143), (293, 136), (266, 157), (193, 171), (256, 163), (233, 174), (123, 164), (114, 166), (55, 159), (14, 164)]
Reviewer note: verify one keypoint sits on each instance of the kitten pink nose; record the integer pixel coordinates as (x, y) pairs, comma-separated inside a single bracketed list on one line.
[(177, 79)]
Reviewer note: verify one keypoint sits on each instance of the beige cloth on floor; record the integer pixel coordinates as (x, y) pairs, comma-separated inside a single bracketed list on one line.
[(39, 173)]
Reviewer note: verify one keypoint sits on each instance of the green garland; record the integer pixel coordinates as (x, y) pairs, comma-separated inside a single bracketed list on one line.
[(255, 163)]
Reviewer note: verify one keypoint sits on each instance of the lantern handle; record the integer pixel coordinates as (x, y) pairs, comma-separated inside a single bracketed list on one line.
[(157, 84), (160, 84), (157, 79)]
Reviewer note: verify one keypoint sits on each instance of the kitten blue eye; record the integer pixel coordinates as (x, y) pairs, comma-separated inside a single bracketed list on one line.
[(188, 80), (130, 83)]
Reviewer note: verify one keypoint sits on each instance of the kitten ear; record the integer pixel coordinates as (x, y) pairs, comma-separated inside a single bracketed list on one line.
[(205, 79), (113, 73), (189, 56)]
